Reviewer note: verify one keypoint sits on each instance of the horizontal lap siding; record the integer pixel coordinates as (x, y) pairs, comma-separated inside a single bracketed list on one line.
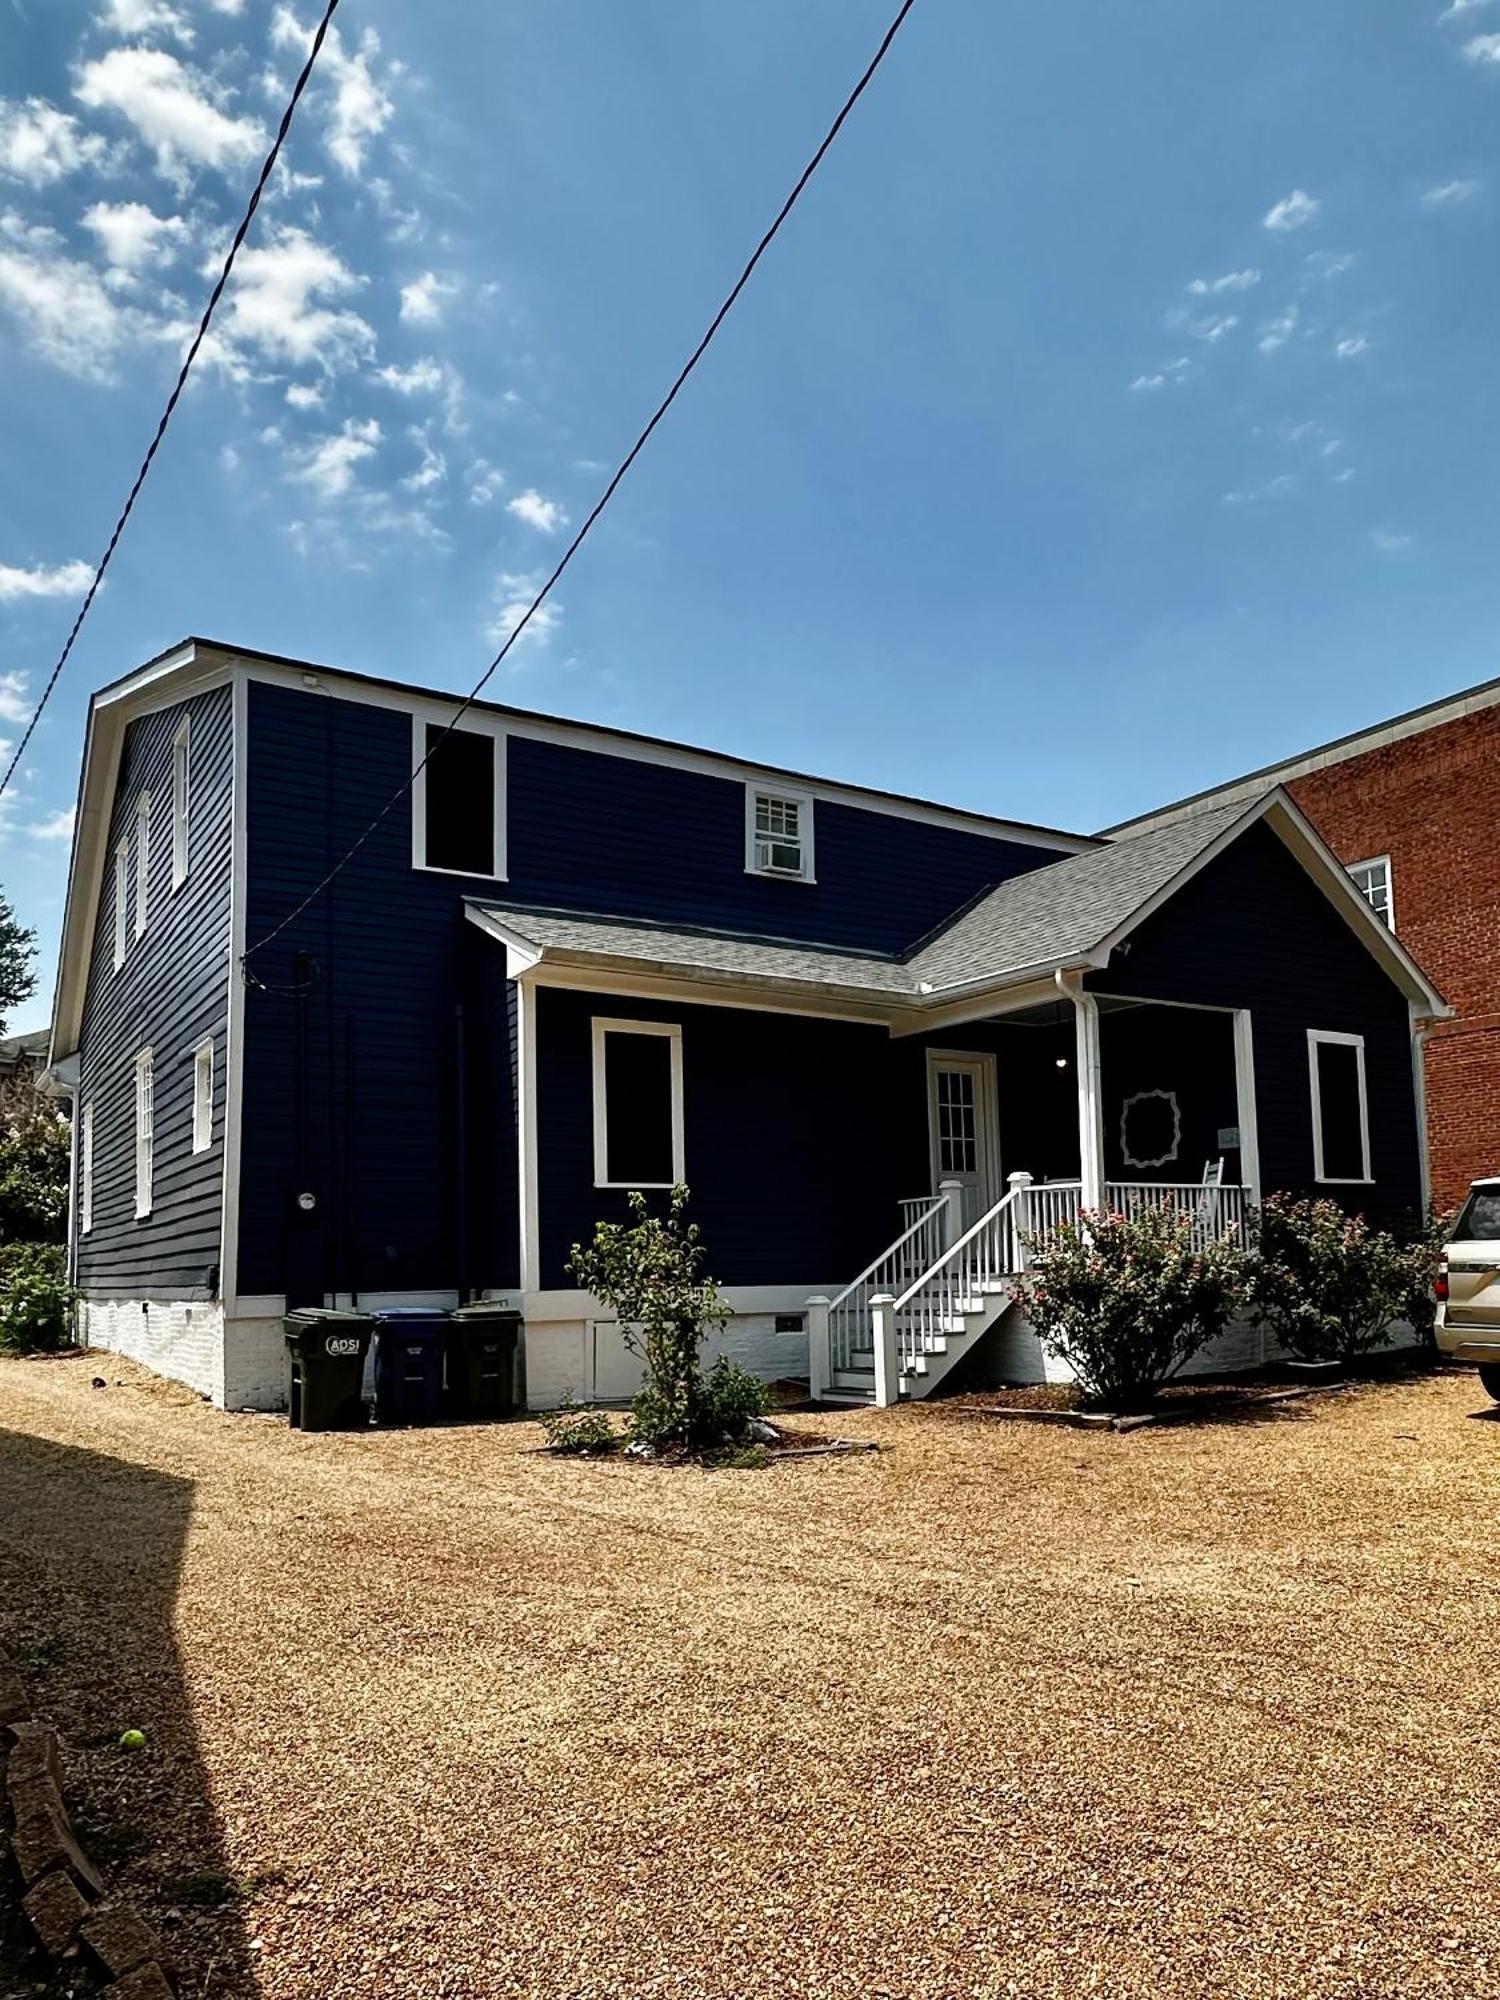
[(791, 1160), (595, 832), (1253, 930), (171, 992)]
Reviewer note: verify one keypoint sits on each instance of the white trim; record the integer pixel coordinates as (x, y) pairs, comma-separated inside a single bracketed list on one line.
[(806, 820), (1244, 1091), (86, 1168), (528, 1136), (986, 1007), (476, 722), (142, 862), (736, 990), (602, 1026), (1352, 868), (122, 903), (145, 1132), (1333, 1036), (182, 801), (234, 1024), (203, 1101), (987, 1131), (1091, 1166)]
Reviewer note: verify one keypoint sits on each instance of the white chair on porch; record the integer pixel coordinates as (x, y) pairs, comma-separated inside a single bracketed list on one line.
[(1207, 1217)]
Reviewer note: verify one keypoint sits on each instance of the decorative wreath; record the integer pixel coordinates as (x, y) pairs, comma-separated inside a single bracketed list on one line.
[(1164, 1097)]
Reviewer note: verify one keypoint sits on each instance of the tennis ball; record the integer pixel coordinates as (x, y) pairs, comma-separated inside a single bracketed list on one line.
[(133, 1739)]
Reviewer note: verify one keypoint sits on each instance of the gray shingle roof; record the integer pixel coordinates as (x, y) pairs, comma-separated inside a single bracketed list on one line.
[(1049, 916)]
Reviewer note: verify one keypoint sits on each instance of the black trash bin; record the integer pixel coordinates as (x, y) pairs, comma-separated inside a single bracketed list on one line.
[(409, 1364), (327, 1350), (482, 1342)]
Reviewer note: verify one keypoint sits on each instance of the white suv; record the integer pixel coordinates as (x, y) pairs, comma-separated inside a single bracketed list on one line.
[(1468, 1286)]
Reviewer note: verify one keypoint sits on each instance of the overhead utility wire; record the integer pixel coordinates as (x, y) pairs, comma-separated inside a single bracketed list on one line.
[(177, 388), (605, 497)]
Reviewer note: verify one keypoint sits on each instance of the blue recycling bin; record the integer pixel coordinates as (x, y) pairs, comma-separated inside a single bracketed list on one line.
[(409, 1364)]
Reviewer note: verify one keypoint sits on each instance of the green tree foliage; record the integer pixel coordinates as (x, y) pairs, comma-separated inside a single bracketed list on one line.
[(1324, 1283), (34, 1158), (17, 973), (36, 1300), (1127, 1302)]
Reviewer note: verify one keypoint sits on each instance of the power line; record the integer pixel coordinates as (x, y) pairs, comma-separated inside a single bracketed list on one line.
[(606, 496), (177, 388)]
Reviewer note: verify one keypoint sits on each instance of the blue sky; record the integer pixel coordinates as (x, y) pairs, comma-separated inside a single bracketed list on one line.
[(1117, 412)]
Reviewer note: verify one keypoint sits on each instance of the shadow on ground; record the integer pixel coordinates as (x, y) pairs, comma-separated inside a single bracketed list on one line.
[(91, 1552)]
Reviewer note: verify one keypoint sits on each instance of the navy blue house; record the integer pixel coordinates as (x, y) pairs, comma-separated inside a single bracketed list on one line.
[(884, 1042)]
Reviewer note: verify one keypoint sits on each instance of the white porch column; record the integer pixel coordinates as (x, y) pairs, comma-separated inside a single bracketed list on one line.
[(1244, 1091), (951, 1220), (1090, 1099), (818, 1362), (887, 1366)]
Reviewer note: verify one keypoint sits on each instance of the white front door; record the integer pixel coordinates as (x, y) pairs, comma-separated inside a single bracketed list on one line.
[(963, 1128)]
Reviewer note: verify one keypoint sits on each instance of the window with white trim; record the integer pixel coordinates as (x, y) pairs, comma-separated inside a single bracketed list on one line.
[(85, 1169), (181, 800), (145, 1131), (1340, 1106), (778, 834), (1373, 881), (142, 861), (203, 1096), (458, 797), (638, 1122), (122, 900)]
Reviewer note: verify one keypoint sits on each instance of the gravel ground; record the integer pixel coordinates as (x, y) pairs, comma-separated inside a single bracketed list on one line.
[(997, 1710)]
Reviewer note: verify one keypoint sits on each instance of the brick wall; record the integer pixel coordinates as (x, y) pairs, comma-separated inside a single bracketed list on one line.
[(1428, 801)]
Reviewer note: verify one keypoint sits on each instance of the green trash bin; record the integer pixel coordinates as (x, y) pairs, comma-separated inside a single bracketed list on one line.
[(482, 1347), (327, 1349)]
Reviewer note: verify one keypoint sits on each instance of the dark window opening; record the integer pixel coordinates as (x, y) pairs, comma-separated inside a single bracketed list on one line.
[(460, 801), (638, 1107), (1339, 1111)]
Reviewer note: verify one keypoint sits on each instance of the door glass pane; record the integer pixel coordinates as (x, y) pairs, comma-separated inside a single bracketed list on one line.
[(957, 1123)]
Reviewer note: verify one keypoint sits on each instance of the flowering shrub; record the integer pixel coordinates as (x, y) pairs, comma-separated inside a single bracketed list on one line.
[(1325, 1283), (1127, 1302), (36, 1300)]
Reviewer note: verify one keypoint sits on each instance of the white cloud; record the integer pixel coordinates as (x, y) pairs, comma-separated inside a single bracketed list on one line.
[(66, 579), (485, 482), (1351, 345), (546, 516), (15, 705), (1451, 194), (172, 108), (304, 395), (63, 307), (434, 467), (1232, 281), (1169, 373), (422, 300), (40, 144), (1279, 488), (328, 464), (1295, 211), (422, 376), (1390, 541), (130, 234), (1215, 327), (145, 17), (229, 459), (1277, 332), (361, 107), (1483, 49), (279, 307), (513, 593), (1461, 7), (56, 826), (1329, 264)]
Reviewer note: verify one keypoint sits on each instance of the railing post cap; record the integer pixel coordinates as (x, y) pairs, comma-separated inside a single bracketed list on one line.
[(1018, 1179), (820, 1299), (883, 1299), (950, 1187)]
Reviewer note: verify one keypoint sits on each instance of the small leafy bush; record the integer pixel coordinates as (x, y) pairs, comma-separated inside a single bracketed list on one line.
[(1324, 1283), (36, 1300), (733, 1397), (1127, 1302), (1424, 1250), (575, 1432)]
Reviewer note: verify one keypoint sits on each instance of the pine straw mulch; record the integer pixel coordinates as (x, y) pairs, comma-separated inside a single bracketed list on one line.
[(1193, 1715)]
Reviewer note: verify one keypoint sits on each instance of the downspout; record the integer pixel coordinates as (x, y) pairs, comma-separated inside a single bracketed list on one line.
[(1421, 1026), (1090, 1087)]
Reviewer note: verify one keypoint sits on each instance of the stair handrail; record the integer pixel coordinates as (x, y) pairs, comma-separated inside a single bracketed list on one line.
[(954, 1249), (846, 1318), (866, 1276)]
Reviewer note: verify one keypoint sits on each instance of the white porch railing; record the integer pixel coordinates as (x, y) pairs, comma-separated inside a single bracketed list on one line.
[(920, 1244), (1213, 1211)]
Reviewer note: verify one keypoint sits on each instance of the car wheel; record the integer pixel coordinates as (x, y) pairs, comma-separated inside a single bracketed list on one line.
[(1489, 1375)]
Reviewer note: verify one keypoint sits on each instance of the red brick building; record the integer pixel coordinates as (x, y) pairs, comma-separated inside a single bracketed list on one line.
[(1412, 809)]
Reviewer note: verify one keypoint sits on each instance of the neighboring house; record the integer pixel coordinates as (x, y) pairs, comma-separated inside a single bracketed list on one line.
[(24, 1057), (1409, 807), (569, 961)]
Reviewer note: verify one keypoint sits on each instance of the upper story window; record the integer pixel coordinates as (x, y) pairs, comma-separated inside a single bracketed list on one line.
[(458, 799), (86, 1169), (145, 1132), (1373, 881), (142, 861), (1340, 1108), (203, 1096), (638, 1120), (779, 834), (181, 752), (122, 900)]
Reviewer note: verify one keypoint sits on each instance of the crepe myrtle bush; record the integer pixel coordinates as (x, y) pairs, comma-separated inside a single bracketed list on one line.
[(1127, 1301), (36, 1300), (650, 1271), (1323, 1282)]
